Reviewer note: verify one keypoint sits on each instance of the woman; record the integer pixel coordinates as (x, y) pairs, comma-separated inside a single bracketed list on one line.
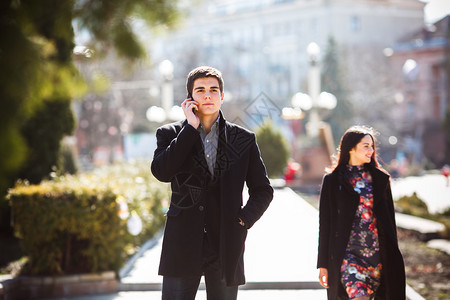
[(358, 250)]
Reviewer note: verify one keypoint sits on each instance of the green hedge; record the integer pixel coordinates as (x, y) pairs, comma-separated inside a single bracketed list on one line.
[(274, 149), (412, 205), (71, 224), (415, 206)]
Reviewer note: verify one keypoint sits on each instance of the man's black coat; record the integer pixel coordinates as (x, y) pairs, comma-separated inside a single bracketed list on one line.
[(338, 204), (179, 159)]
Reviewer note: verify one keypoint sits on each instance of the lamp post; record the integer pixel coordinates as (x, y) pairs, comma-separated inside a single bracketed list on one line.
[(318, 144), (313, 51), (314, 100), (319, 100), (167, 111), (166, 70)]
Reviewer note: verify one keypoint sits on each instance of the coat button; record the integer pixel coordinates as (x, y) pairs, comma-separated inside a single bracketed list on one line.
[(201, 208)]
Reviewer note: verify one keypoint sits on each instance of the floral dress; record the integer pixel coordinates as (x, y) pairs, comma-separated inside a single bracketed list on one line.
[(361, 266)]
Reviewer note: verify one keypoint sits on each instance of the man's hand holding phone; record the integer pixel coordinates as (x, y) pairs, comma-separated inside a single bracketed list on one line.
[(190, 107)]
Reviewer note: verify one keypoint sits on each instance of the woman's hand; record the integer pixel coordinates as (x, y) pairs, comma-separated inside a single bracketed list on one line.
[(323, 277)]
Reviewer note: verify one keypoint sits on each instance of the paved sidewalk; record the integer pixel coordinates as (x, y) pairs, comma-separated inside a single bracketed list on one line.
[(281, 249)]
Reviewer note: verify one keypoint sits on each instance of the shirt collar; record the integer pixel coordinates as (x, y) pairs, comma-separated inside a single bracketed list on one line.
[(215, 125)]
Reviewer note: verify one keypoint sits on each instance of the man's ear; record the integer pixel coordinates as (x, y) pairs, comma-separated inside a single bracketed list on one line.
[(221, 97)]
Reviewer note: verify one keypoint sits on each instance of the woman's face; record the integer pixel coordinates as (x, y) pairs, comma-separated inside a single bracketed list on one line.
[(363, 151)]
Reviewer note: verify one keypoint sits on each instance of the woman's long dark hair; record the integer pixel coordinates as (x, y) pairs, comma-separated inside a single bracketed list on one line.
[(349, 140)]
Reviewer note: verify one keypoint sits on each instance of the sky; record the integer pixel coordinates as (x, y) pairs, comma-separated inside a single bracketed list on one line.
[(436, 9)]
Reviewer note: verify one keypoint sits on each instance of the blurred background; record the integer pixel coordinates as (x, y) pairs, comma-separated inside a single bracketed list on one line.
[(382, 63), (84, 84)]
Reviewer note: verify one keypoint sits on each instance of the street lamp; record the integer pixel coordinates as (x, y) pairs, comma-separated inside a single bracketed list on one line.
[(318, 99), (300, 102), (317, 145), (167, 111), (314, 100), (166, 70)]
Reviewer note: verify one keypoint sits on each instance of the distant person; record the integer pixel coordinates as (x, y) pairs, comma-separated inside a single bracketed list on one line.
[(292, 171), (207, 160), (358, 255), (446, 172), (394, 167)]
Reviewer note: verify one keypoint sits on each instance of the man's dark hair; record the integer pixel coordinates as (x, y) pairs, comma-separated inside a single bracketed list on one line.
[(202, 72)]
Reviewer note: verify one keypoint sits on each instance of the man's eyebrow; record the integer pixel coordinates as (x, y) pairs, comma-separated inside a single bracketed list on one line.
[(202, 87)]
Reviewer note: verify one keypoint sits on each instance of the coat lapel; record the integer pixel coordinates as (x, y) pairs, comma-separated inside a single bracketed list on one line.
[(380, 181), (221, 158), (345, 184)]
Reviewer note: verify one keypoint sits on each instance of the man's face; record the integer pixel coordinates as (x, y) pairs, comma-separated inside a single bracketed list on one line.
[(207, 93)]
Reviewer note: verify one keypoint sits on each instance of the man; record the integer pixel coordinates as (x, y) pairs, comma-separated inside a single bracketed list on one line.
[(207, 160)]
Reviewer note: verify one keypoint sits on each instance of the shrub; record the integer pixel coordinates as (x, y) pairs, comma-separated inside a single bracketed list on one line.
[(43, 133), (71, 224), (412, 205), (143, 194), (67, 160), (274, 149)]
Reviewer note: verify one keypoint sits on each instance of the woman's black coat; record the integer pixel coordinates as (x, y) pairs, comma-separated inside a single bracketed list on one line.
[(338, 205), (180, 160)]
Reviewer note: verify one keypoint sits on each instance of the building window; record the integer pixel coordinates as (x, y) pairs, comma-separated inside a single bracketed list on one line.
[(437, 90), (410, 70), (355, 23)]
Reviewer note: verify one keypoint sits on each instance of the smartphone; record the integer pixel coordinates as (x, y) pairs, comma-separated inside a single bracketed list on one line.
[(189, 95)]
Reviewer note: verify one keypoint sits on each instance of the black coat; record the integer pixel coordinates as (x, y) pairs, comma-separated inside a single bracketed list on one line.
[(338, 205), (179, 159)]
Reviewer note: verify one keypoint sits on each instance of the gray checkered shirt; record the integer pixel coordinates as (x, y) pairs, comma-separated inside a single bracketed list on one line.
[(210, 142)]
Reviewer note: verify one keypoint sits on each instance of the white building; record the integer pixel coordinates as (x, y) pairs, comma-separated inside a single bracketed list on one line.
[(260, 45)]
